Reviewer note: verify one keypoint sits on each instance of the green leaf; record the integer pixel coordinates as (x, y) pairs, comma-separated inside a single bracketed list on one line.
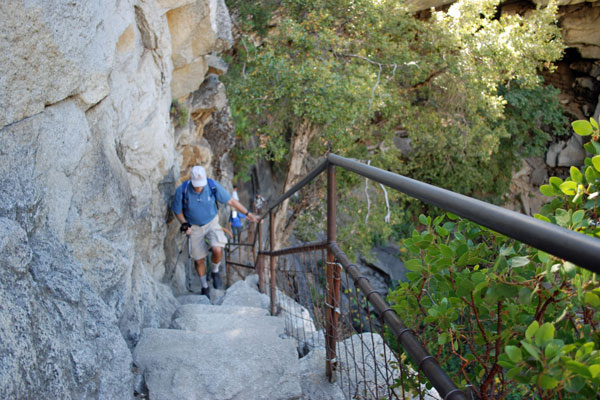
[(500, 264), (594, 123), (412, 276), (547, 190), (596, 162), (513, 372), (480, 285), (541, 217), (547, 382), (446, 251), (578, 368), (575, 384), (441, 231), (544, 257), (451, 216), (531, 329), (578, 216), (594, 370), (514, 353), (531, 349), (423, 219), (592, 299), (570, 187), (589, 147), (464, 259), (592, 147), (544, 334), (555, 182), (576, 174), (551, 350), (582, 127), (413, 265), (569, 268), (443, 339), (562, 217), (506, 364), (590, 175)]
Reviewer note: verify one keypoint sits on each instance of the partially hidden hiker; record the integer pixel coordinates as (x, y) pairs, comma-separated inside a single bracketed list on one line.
[(259, 202), (235, 222), (195, 206)]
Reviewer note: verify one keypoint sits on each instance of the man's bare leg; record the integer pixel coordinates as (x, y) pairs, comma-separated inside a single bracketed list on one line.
[(200, 267), (217, 256), (201, 270)]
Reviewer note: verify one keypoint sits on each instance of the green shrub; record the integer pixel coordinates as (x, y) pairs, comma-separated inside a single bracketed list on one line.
[(511, 321)]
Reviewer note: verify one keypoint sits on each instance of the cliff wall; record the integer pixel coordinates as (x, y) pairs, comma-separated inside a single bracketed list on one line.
[(89, 160)]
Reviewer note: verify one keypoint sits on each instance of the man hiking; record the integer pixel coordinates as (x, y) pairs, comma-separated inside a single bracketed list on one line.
[(235, 223), (195, 206)]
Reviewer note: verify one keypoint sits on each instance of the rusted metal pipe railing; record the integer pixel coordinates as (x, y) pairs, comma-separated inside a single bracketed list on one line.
[(333, 277), (260, 261), (297, 249), (425, 362), (273, 261)]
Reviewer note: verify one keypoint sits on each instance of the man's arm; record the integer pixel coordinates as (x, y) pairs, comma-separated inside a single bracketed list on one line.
[(181, 217), (228, 232), (238, 206)]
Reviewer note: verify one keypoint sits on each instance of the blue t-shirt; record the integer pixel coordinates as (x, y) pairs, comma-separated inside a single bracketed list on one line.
[(237, 221), (200, 208)]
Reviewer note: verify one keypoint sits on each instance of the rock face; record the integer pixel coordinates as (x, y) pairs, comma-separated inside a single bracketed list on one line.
[(89, 162), (58, 338)]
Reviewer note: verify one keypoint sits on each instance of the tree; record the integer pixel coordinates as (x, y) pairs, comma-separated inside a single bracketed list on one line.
[(350, 76)]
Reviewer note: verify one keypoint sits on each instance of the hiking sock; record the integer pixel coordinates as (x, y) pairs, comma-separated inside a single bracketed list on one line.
[(215, 267), (203, 281)]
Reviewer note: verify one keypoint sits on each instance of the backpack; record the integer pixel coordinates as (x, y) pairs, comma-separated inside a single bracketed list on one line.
[(211, 185)]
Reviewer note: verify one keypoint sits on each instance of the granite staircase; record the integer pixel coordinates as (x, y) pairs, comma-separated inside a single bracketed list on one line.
[(228, 347)]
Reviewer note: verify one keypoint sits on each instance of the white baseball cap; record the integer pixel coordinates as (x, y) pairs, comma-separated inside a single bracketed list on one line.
[(198, 176)]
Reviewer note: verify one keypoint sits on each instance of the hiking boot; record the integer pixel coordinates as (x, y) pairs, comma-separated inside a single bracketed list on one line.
[(216, 278), (204, 291)]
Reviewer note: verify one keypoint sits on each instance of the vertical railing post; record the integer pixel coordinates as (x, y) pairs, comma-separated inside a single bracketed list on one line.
[(272, 260), (260, 261), (227, 266), (333, 277)]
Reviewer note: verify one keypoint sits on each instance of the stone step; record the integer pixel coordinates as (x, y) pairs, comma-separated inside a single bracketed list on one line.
[(230, 324), (195, 309), (242, 364)]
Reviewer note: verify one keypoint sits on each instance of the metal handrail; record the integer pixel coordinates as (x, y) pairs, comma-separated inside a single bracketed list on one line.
[(303, 182), (572, 246)]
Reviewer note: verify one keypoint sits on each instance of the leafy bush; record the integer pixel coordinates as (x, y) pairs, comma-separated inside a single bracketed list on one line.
[(511, 321)]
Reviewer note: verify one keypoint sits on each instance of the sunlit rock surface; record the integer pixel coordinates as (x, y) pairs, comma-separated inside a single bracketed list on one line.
[(89, 162)]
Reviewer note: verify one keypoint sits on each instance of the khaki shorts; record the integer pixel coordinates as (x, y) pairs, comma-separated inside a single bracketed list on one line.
[(211, 232)]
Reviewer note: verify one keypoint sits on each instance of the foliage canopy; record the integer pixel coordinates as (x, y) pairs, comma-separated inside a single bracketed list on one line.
[(447, 101), (365, 73)]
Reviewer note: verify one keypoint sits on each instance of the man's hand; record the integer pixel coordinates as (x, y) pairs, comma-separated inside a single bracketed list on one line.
[(186, 227), (251, 217)]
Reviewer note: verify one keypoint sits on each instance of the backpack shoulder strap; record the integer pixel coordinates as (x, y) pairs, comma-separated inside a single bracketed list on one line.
[(213, 189), (184, 196)]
